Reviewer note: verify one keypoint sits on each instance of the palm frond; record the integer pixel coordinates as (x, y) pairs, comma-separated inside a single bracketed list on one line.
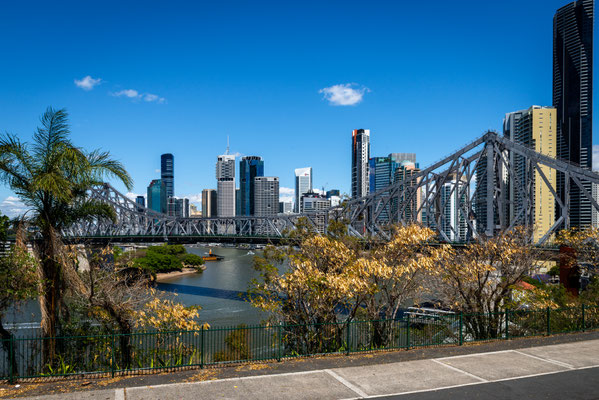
[(102, 166)]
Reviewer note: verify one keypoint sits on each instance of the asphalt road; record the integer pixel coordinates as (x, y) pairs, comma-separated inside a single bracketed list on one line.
[(582, 384)]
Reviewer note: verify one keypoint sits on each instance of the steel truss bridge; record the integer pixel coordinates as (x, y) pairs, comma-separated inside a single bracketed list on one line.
[(486, 186)]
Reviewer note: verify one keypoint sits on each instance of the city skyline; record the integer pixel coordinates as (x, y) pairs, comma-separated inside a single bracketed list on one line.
[(118, 109)]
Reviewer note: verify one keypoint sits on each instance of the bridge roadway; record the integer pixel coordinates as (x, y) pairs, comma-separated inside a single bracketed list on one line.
[(558, 371)]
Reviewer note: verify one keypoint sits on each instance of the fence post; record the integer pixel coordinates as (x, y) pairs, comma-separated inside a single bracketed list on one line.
[(11, 358), (461, 328), (548, 321), (583, 322), (202, 347), (507, 324), (280, 335), (408, 332), (347, 338), (112, 363)]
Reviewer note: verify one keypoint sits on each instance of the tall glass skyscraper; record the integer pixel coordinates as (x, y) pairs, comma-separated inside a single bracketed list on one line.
[(249, 168), (167, 173), (157, 196), (360, 154), (573, 98)]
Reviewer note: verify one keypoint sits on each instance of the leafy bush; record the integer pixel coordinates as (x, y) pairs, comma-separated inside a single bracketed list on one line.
[(155, 262), (168, 249), (192, 259)]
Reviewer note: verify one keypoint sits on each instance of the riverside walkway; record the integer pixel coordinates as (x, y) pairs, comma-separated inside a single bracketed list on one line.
[(562, 370)]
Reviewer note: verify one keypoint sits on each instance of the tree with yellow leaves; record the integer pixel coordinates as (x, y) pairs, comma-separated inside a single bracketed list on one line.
[(478, 280)]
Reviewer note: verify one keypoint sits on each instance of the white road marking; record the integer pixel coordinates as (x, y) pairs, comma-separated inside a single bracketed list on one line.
[(549, 360), (346, 383), (459, 370), (474, 354)]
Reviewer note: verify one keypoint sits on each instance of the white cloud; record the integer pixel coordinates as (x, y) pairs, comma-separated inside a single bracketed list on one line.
[(286, 194), (87, 83), (149, 97), (345, 94), (131, 93), (136, 95), (12, 207), (596, 157), (133, 196), (194, 198)]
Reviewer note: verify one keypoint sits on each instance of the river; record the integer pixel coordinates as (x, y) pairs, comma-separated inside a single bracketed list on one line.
[(219, 290)]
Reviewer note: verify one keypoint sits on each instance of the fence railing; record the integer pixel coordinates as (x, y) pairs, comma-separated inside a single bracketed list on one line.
[(118, 354)]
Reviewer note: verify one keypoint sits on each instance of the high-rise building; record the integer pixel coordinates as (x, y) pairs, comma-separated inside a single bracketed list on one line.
[(303, 184), (266, 195), (141, 201), (285, 207), (157, 196), (360, 155), (408, 205), (178, 208), (534, 128), (249, 168), (313, 202), (167, 173), (209, 201), (225, 179), (452, 203), (573, 98), (333, 192), (194, 212), (400, 157)]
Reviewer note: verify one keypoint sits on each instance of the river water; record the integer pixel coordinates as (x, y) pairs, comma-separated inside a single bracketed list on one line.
[(220, 289)]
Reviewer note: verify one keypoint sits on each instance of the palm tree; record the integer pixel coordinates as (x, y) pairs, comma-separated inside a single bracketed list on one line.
[(51, 176)]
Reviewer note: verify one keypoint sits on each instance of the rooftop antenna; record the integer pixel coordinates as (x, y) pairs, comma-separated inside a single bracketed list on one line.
[(227, 152)]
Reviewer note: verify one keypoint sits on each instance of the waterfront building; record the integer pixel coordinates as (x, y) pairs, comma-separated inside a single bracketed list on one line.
[(237, 202), (209, 203), (303, 184), (178, 208), (157, 196), (573, 98), (359, 164), (266, 195), (333, 192), (285, 207), (167, 173), (452, 203), (225, 179), (249, 168), (408, 205), (141, 201), (313, 202), (534, 128)]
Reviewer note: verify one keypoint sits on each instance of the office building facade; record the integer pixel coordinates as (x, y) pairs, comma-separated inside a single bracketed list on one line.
[(312, 203), (157, 196), (266, 195), (534, 128), (359, 163), (303, 184), (572, 98), (249, 168), (167, 173), (209, 203), (225, 179), (285, 207)]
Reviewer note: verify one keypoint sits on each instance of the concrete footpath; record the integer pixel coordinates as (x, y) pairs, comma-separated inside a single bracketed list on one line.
[(394, 379)]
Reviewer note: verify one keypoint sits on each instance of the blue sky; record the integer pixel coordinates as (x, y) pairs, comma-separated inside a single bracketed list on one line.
[(178, 77)]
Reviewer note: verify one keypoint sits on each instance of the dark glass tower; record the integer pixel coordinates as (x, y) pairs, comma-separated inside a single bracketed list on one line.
[(573, 99), (249, 168), (167, 173)]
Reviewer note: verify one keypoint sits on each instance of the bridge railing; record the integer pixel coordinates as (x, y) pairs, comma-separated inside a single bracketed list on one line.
[(22, 357)]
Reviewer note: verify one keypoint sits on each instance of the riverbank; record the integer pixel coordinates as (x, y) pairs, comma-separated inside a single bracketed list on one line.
[(161, 276)]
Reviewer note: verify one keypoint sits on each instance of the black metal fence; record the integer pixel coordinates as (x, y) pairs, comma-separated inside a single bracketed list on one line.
[(118, 354)]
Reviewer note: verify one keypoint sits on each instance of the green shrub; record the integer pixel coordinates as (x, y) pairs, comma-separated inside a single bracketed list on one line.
[(192, 259)]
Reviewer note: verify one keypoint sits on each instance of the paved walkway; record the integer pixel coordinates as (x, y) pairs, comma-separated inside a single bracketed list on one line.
[(394, 379)]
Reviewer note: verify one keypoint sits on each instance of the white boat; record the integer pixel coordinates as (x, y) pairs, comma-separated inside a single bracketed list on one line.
[(250, 253)]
